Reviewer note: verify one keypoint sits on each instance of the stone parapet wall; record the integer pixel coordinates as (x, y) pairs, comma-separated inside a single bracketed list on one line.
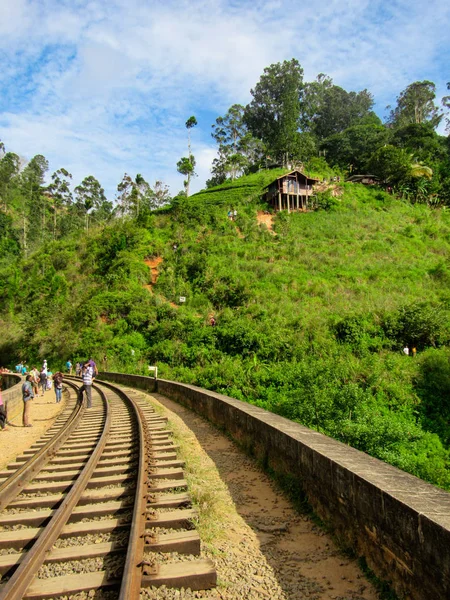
[(399, 523), (138, 381), (12, 395)]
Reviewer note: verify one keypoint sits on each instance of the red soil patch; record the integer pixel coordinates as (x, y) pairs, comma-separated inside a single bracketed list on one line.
[(267, 220), (152, 264)]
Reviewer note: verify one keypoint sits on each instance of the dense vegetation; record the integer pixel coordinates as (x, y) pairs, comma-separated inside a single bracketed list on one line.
[(311, 321), (311, 318)]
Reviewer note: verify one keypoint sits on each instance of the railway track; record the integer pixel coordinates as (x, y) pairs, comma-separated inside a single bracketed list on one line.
[(95, 504)]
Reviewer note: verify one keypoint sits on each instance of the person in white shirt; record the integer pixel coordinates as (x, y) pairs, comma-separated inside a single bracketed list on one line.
[(88, 376)]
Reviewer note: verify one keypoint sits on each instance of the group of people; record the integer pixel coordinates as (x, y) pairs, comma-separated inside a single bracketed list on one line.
[(38, 381), (21, 368), (42, 380), (412, 353)]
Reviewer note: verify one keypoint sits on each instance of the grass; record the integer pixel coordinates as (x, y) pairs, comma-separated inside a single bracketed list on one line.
[(210, 496)]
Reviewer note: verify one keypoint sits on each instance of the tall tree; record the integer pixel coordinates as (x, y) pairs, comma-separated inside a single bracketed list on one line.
[(328, 109), (446, 104), (238, 149), (186, 165), (352, 148), (60, 193), (132, 193), (89, 195), (190, 123), (230, 128), (415, 104), (160, 195), (36, 169), (313, 99), (274, 113), (9, 169), (421, 140), (34, 202)]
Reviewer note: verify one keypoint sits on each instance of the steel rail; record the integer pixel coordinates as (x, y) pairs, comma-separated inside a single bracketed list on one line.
[(13, 486), (18, 583), (132, 575)]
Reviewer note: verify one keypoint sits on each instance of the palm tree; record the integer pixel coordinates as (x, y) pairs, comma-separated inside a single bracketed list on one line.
[(419, 170)]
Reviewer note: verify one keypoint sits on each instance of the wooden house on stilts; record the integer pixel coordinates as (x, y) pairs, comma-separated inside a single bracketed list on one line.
[(290, 192)]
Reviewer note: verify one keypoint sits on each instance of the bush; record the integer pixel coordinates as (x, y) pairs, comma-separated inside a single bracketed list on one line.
[(421, 324), (325, 200), (433, 388), (226, 291), (360, 332)]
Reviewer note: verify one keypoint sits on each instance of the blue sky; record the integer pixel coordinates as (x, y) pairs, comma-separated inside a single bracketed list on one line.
[(104, 87)]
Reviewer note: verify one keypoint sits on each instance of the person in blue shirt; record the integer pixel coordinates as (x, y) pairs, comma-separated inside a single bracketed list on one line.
[(69, 367)]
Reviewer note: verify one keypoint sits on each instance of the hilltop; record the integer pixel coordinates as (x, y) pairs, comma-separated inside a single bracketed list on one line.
[(311, 317)]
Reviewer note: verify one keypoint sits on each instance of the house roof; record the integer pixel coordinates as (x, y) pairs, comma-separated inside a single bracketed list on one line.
[(357, 178), (297, 171), (309, 179)]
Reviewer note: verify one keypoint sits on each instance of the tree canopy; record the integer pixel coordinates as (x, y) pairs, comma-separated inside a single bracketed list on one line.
[(416, 104), (273, 116)]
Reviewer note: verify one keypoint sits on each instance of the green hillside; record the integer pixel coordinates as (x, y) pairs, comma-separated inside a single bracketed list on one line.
[(311, 317)]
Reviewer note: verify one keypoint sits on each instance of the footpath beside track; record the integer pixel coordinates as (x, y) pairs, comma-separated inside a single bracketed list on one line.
[(88, 504)]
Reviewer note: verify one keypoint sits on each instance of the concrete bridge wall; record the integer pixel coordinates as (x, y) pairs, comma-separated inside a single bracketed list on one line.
[(399, 523), (12, 395)]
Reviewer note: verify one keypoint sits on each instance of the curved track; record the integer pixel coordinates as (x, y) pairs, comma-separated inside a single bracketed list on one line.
[(93, 502)]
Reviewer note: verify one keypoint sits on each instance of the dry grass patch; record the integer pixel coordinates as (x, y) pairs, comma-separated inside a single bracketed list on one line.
[(218, 519)]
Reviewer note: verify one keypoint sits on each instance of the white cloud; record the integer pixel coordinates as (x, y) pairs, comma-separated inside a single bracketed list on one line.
[(105, 87), (15, 18)]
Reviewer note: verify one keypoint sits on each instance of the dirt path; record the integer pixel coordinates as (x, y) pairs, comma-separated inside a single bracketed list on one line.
[(270, 551), (153, 265), (15, 439)]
